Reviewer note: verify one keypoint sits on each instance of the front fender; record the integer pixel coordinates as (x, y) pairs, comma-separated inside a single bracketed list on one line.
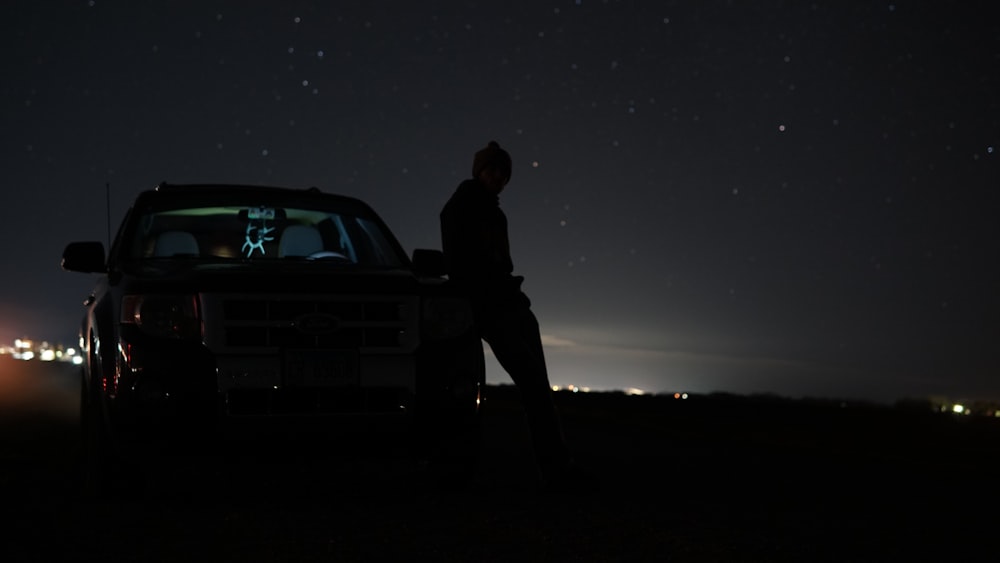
[(103, 354)]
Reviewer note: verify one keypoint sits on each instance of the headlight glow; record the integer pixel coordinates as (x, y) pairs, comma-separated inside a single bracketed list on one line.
[(445, 318), (164, 316)]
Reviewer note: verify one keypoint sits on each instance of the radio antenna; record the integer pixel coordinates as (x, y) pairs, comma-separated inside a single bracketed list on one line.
[(107, 194)]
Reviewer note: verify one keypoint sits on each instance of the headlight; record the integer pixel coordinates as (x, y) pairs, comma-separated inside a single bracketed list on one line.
[(163, 316), (445, 318)]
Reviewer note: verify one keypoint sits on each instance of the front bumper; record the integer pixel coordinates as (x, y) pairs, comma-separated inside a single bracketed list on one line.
[(184, 384)]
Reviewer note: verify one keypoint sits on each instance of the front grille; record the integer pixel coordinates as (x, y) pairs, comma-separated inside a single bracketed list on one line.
[(250, 323)]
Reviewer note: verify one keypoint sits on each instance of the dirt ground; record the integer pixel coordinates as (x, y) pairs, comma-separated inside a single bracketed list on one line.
[(705, 479)]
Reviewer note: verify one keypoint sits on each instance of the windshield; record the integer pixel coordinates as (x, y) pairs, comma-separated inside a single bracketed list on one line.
[(260, 234)]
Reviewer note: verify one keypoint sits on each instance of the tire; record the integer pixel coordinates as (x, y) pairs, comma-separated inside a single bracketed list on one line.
[(103, 472), (453, 439), (94, 457)]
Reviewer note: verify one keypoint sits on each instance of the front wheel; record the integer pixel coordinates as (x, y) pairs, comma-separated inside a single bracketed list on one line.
[(94, 443), (103, 472), (452, 442)]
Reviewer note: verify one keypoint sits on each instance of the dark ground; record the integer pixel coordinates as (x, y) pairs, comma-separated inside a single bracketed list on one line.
[(707, 479)]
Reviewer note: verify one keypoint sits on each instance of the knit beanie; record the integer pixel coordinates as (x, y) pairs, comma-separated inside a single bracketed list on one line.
[(491, 155)]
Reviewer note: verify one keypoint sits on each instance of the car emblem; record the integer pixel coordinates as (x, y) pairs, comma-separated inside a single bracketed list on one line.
[(316, 323)]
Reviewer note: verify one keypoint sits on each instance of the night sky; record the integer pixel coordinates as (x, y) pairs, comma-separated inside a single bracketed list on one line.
[(798, 198)]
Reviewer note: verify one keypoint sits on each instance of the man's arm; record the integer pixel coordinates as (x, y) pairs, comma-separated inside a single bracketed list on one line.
[(459, 242)]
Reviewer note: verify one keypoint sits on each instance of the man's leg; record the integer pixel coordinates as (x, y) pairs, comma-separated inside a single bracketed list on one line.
[(516, 342)]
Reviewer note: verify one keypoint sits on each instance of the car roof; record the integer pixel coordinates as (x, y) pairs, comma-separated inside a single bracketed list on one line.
[(221, 192), (202, 189)]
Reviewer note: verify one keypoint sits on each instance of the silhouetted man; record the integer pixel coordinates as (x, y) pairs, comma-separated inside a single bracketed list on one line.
[(477, 252)]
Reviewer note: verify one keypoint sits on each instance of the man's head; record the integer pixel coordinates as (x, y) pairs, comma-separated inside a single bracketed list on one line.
[(492, 166)]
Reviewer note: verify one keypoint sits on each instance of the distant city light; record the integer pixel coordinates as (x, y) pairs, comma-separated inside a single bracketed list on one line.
[(25, 349), (571, 388), (585, 389)]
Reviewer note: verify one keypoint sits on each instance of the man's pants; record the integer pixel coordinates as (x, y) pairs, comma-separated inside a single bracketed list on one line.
[(514, 337)]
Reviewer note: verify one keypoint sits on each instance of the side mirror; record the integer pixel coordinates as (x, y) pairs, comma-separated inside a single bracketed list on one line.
[(86, 257), (427, 262)]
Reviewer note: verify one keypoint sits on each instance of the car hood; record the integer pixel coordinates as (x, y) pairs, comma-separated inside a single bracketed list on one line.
[(286, 278)]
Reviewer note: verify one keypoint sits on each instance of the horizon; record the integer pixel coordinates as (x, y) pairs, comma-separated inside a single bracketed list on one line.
[(497, 377)]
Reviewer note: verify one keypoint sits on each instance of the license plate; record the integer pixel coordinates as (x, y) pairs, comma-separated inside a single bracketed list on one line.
[(321, 368)]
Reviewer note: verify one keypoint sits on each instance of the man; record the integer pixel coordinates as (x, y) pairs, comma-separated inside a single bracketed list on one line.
[(477, 252)]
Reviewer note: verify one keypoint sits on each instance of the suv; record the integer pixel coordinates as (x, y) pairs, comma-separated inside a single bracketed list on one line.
[(233, 310)]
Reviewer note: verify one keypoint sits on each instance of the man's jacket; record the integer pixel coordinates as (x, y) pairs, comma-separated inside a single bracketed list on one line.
[(477, 249)]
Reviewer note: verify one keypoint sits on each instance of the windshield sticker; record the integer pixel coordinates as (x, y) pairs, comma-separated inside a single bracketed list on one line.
[(261, 213), (258, 231)]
